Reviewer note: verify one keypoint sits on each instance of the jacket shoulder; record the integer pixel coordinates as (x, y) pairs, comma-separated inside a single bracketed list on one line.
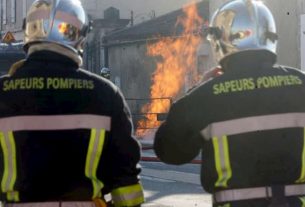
[(98, 79), (289, 69)]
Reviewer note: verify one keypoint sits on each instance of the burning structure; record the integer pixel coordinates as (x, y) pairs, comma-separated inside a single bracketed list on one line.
[(157, 61)]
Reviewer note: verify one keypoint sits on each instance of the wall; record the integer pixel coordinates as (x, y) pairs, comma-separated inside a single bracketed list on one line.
[(130, 64), (131, 70), (287, 17)]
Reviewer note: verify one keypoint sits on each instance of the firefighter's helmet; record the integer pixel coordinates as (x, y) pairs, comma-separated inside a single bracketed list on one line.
[(240, 25), (62, 22)]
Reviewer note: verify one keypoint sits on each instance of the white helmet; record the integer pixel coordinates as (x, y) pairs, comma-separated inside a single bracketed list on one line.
[(242, 25), (63, 22)]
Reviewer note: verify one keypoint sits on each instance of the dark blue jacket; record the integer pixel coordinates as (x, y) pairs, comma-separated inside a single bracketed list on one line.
[(248, 124), (66, 133)]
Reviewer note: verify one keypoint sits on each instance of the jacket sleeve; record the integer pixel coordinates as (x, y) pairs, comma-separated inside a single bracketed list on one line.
[(175, 140), (124, 156)]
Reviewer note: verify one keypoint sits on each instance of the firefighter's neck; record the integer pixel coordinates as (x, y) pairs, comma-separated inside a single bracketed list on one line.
[(249, 59), (58, 49)]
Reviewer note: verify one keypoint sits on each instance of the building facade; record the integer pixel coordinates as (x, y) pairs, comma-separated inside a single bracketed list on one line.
[(129, 62), (12, 13), (139, 10), (94, 56), (289, 16), (129, 12)]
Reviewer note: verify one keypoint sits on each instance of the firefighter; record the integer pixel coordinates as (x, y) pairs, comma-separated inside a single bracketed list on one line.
[(105, 73), (248, 123), (65, 133)]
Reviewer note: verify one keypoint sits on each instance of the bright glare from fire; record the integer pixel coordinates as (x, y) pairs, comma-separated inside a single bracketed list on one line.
[(175, 70)]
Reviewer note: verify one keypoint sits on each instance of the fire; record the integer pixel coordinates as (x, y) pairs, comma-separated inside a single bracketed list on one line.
[(176, 69)]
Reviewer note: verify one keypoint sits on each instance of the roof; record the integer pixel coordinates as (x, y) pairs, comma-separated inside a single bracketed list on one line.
[(164, 25), (114, 23)]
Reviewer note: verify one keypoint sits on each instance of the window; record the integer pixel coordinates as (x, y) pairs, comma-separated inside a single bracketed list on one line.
[(13, 11), (3, 11)]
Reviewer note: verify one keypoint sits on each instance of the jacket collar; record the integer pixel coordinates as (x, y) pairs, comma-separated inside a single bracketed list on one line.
[(248, 60), (50, 58)]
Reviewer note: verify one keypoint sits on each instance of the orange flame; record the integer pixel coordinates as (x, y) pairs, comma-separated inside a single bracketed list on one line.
[(176, 69)]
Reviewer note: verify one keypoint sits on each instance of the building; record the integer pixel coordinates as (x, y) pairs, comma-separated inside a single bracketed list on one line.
[(106, 16), (138, 10), (289, 17), (12, 13), (131, 68), (94, 52)]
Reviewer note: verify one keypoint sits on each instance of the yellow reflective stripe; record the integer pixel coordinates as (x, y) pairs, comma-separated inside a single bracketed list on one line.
[(224, 205), (302, 176), (303, 201), (217, 158), (94, 153), (131, 195), (10, 166), (222, 161), (13, 196), (4, 187), (227, 157)]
